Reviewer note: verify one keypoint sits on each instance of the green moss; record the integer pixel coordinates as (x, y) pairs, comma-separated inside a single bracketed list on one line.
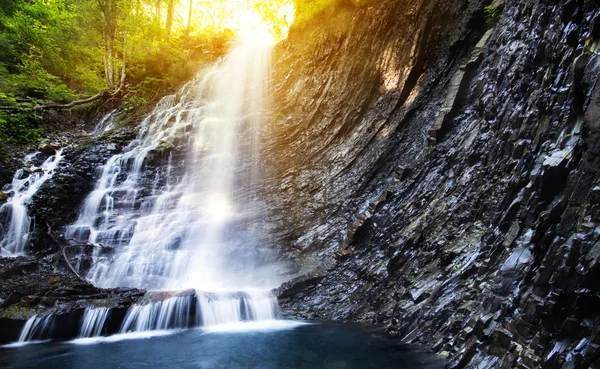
[(493, 12), (591, 47), (17, 312)]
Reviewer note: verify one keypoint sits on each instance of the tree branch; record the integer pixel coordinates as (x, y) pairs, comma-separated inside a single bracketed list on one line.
[(60, 240), (88, 244), (69, 263), (72, 104)]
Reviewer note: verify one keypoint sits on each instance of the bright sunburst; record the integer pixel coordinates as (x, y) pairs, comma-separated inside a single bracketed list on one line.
[(268, 20)]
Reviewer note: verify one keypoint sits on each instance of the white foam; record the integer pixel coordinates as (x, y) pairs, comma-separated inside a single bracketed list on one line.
[(265, 325), (21, 344), (122, 337)]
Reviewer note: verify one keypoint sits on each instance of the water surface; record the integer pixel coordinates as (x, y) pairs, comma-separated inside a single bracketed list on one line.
[(274, 345)]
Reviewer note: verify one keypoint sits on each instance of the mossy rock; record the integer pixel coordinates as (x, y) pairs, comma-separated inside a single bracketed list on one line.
[(17, 312)]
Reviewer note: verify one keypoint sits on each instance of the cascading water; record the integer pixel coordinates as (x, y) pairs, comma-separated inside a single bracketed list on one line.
[(93, 321), (170, 313), (15, 222), (219, 308), (105, 124), (36, 328), (186, 224)]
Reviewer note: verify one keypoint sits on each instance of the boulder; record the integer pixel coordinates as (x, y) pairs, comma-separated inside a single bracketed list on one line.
[(47, 149)]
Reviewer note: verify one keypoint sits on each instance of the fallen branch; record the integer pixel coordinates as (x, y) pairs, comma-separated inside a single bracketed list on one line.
[(88, 244), (72, 104), (69, 263), (81, 244), (70, 243), (9, 108)]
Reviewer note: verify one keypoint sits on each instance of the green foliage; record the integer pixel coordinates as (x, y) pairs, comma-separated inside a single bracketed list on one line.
[(56, 49), (133, 102), (591, 47), (492, 13), (34, 81), (19, 125), (60, 50), (49, 42)]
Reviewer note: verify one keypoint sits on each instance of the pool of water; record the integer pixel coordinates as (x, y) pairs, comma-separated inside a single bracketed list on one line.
[(274, 345)]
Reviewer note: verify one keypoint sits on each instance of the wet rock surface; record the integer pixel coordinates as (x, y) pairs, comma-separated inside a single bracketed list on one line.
[(59, 200), (30, 287), (9, 164), (45, 284), (449, 193)]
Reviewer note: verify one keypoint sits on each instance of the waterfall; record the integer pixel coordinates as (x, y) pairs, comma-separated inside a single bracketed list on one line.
[(164, 311), (15, 221), (199, 308), (172, 313), (187, 230), (105, 124), (93, 321), (219, 308), (36, 328), (179, 221)]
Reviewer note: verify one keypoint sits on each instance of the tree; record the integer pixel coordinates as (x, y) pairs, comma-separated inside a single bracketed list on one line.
[(170, 16), (109, 31), (189, 21)]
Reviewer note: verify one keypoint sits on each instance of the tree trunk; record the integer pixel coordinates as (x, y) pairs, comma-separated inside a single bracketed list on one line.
[(109, 12), (157, 7), (123, 70), (189, 22), (109, 66), (170, 16), (106, 69)]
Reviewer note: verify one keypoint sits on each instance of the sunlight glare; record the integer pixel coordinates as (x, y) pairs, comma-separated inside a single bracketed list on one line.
[(254, 20)]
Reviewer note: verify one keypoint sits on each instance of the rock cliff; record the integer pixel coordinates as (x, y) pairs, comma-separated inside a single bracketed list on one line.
[(435, 167)]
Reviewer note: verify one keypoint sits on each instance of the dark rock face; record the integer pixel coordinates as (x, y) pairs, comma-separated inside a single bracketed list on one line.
[(8, 166), (31, 287), (59, 200), (439, 176), (44, 285), (78, 174)]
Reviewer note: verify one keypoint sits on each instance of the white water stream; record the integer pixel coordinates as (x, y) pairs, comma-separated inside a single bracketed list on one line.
[(186, 222), (93, 322), (177, 234), (15, 221), (36, 327), (181, 226)]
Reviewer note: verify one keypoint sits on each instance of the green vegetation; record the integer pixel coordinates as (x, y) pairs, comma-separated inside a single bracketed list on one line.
[(492, 13), (429, 148), (591, 47), (60, 49), (18, 125), (57, 51)]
